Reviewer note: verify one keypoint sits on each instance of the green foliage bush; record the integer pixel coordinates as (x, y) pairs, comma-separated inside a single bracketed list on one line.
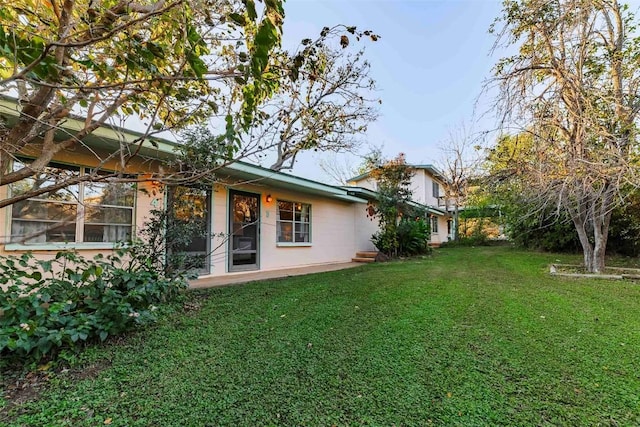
[(385, 241), (413, 237), (409, 237), (624, 234), (49, 306), (554, 235), (468, 241), (555, 232)]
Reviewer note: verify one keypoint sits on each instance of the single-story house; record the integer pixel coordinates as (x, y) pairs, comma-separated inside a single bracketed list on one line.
[(255, 218)]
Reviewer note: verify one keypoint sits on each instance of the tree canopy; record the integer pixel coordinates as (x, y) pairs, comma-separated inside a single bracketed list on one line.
[(573, 86), (168, 62), (172, 65), (325, 106)]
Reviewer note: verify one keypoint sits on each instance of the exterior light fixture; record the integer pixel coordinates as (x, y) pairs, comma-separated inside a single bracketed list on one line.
[(269, 198)]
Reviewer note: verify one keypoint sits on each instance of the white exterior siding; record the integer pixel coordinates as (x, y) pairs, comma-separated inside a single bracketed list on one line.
[(441, 235), (419, 187), (367, 182), (430, 200), (365, 227), (338, 230)]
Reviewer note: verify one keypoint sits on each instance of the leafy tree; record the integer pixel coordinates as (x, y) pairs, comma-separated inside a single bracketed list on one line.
[(625, 225), (167, 62), (530, 224), (324, 104), (527, 222), (170, 64), (572, 85), (403, 230)]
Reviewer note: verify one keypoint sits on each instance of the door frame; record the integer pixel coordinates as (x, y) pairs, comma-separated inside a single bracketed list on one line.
[(229, 252)]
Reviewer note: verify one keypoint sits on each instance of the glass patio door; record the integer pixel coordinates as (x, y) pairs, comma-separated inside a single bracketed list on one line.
[(189, 229), (244, 231)]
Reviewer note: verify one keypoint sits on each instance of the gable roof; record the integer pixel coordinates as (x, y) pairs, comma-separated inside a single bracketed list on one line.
[(430, 168)]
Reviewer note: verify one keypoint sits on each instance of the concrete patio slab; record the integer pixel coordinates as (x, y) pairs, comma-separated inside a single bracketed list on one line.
[(244, 277)]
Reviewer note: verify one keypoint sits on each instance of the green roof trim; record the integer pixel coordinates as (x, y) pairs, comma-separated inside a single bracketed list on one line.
[(109, 137), (291, 182)]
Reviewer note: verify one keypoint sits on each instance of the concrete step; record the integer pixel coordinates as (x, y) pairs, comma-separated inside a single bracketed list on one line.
[(366, 254), (361, 259)]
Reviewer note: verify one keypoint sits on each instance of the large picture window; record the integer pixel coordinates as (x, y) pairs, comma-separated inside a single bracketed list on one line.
[(293, 224), (84, 212)]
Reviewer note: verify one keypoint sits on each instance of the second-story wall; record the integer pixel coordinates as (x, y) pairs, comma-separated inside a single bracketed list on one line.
[(422, 185)]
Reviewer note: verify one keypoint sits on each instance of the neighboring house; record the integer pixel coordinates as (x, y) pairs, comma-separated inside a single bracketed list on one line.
[(427, 190), (256, 219)]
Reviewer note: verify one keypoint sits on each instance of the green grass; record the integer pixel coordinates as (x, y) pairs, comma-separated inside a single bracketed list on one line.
[(470, 337)]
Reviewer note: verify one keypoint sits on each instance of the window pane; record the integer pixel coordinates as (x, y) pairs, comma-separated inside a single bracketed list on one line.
[(302, 232), (285, 215), (50, 176), (284, 231), (285, 211), (106, 233), (34, 210), (102, 215), (302, 213), (306, 209), (42, 232), (109, 193), (293, 222), (285, 206)]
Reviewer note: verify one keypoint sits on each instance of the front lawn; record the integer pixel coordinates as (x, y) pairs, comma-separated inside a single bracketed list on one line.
[(469, 336)]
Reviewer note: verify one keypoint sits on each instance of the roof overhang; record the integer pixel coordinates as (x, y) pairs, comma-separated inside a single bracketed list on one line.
[(430, 168), (109, 138), (262, 176), (371, 195), (106, 137)]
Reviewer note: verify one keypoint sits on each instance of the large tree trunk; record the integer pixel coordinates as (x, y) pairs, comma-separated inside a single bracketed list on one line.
[(601, 217), (456, 217), (591, 221), (587, 247)]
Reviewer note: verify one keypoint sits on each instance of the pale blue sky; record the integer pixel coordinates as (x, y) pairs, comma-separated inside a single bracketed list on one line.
[(429, 65)]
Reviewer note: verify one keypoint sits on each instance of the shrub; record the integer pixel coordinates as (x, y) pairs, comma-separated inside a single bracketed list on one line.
[(409, 237), (473, 240), (47, 306), (386, 241), (413, 237)]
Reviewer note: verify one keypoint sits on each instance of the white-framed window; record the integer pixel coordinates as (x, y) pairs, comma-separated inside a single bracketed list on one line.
[(434, 224), (435, 189), (87, 212), (293, 222)]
